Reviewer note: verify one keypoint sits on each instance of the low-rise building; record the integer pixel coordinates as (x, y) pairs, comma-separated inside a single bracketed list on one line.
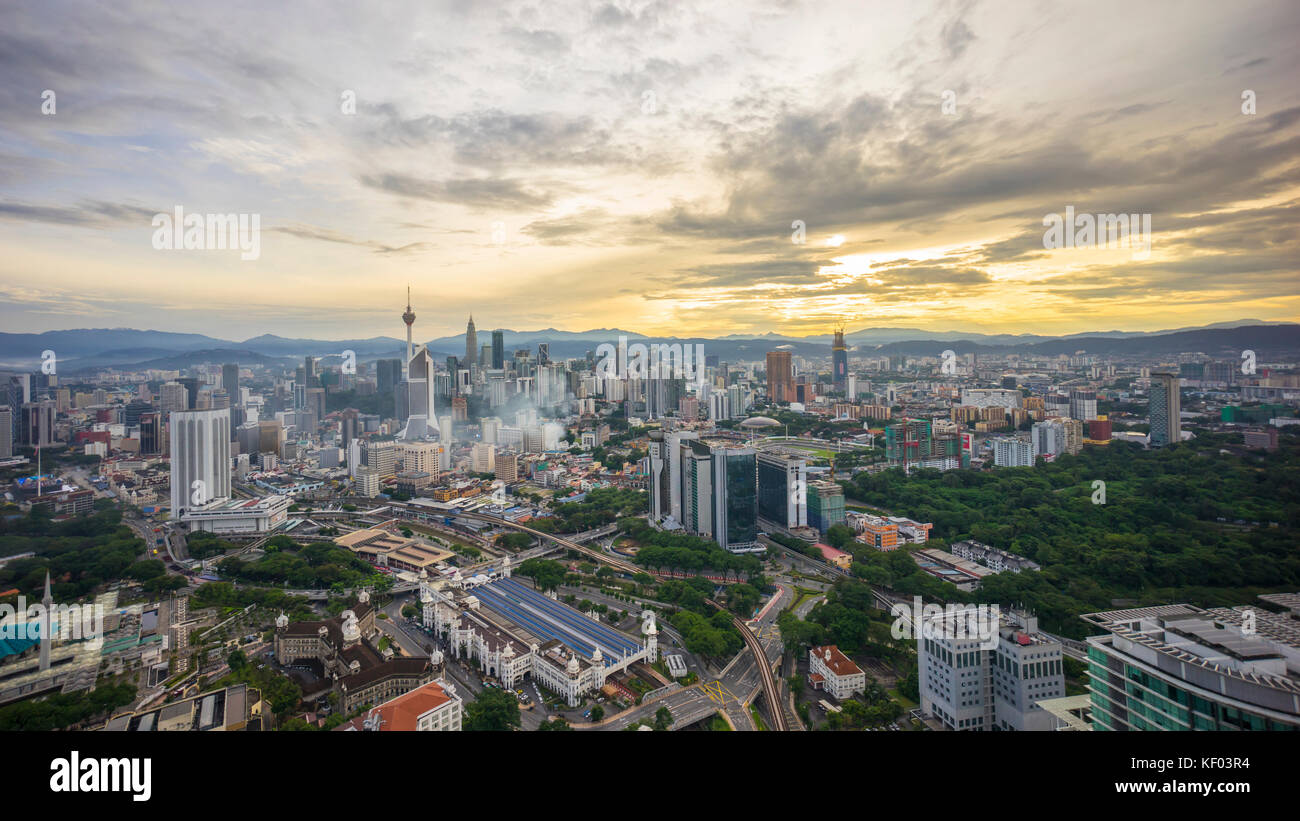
[(340, 649), (432, 707), (832, 671)]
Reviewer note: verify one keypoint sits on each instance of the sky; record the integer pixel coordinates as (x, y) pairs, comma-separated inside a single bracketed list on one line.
[(675, 168)]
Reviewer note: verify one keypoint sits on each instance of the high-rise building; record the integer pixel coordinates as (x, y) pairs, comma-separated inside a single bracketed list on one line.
[(173, 397), (1009, 452), (666, 452), (839, 360), (191, 392), (1165, 410), (498, 350), (6, 432), (782, 489), (780, 377), (423, 457), (825, 502), (471, 345), (37, 421), (230, 381), (543, 353), (506, 466), (1048, 438), (970, 683), (200, 459), (483, 457), (1083, 404), (349, 426), (719, 494), (151, 433)]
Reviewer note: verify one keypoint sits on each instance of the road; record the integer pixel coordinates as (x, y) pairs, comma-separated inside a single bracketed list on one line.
[(746, 674), (688, 705)]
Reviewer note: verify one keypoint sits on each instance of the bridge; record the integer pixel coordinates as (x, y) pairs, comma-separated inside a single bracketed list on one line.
[(770, 691)]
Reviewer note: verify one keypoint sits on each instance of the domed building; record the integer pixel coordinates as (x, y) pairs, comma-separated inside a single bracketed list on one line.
[(342, 652)]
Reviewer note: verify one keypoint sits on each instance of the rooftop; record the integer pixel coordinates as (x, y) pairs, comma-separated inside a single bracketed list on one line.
[(837, 662)]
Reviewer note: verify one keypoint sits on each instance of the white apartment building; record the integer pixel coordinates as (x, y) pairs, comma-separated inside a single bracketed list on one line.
[(1008, 452), (200, 458)]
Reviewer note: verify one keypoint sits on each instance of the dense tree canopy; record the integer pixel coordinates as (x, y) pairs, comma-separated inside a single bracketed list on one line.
[(1157, 538)]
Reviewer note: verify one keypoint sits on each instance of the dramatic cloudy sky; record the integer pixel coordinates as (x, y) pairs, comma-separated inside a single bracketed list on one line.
[(641, 164)]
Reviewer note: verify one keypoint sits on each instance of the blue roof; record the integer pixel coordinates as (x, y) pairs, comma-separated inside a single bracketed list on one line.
[(549, 619)]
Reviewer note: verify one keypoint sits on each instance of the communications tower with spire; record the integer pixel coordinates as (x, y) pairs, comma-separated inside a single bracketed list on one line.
[(409, 319)]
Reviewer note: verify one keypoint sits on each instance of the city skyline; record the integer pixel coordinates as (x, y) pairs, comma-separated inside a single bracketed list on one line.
[(648, 167)]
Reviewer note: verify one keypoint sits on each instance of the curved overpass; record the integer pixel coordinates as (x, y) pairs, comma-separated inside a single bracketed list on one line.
[(764, 669)]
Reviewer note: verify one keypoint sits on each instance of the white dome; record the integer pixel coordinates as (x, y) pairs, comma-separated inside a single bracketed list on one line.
[(282, 621), (364, 596), (351, 630), (596, 656), (572, 666), (509, 652)]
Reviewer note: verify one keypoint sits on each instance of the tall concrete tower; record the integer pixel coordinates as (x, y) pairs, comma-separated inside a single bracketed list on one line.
[(471, 345), (409, 319)]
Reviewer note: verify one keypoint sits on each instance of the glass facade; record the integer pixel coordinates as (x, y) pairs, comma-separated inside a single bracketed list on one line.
[(1125, 697), (741, 501)]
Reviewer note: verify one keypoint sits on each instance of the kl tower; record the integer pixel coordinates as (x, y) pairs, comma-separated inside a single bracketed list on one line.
[(409, 319)]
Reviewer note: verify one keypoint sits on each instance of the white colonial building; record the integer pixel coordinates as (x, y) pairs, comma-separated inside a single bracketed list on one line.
[(834, 672)]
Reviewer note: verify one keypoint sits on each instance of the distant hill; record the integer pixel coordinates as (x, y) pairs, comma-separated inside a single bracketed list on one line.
[(177, 361), (1223, 342), (83, 349)]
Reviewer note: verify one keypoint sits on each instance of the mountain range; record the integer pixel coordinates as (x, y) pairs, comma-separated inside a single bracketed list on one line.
[(94, 349)]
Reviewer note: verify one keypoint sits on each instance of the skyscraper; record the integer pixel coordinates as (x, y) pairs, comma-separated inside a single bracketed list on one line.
[(780, 377), (840, 360), (230, 381), (151, 433), (471, 345), (173, 397), (498, 350), (718, 493), (191, 392), (1165, 410), (782, 489), (200, 458), (37, 420)]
